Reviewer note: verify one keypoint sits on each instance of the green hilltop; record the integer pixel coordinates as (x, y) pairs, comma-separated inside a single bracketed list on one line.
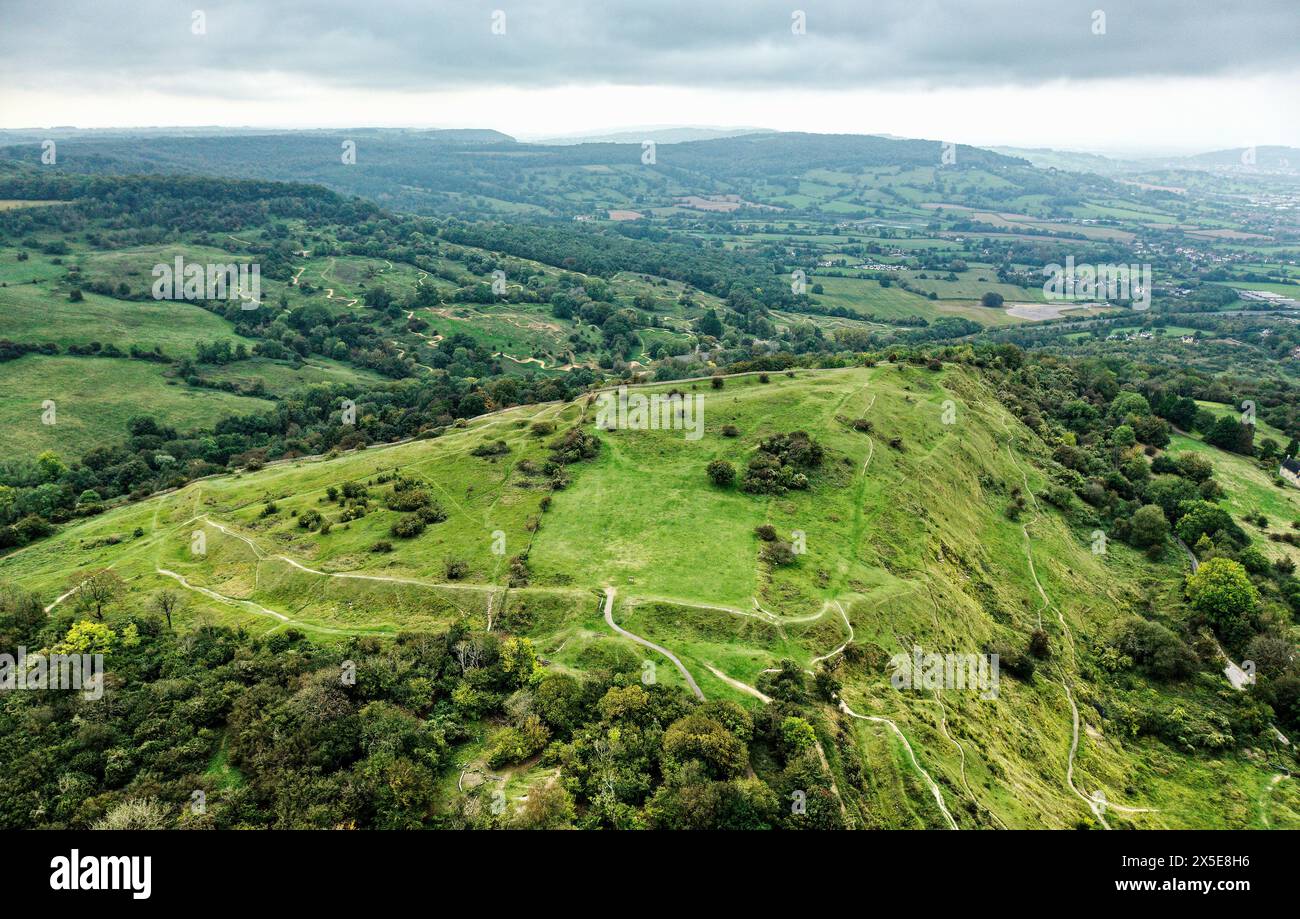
[(911, 542)]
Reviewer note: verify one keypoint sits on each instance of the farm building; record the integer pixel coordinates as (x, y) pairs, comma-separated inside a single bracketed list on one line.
[(1290, 470)]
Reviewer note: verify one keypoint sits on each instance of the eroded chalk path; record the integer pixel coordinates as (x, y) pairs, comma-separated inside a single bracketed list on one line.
[(609, 620)]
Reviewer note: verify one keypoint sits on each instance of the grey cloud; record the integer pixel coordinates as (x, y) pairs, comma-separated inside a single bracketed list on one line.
[(426, 45)]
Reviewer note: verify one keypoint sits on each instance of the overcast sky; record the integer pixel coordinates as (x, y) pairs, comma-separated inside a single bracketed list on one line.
[(1154, 74)]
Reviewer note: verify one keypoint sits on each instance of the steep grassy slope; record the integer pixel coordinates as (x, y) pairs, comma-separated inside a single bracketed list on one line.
[(908, 544)]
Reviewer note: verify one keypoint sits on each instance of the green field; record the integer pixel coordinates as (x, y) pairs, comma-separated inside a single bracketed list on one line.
[(93, 398), (867, 297), (37, 314), (1251, 490)]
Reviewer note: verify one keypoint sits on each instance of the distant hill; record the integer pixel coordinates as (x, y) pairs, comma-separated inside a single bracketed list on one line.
[(450, 171), (1074, 161), (789, 151), (673, 135), (1266, 157)]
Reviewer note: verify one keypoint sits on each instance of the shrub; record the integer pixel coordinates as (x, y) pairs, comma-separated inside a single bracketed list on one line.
[(573, 446), (455, 568), (766, 476), (779, 554), (519, 573), (1061, 497), (407, 527), (432, 513), (700, 739), (721, 472), (491, 448), (1155, 649), (516, 744), (310, 520), (1018, 664), (382, 546), (1194, 466), (716, 382), (1149, 527), (1201, 518), (795, 449), (409, 499), (1254, 561), (765, 532), (730, 430)]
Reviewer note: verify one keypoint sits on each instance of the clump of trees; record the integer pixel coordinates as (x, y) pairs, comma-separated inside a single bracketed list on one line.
[(782, 463)]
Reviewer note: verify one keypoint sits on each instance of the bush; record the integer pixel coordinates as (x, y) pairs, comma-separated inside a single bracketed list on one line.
[(432, 513), (779, 554), (1201, 518), (514, 745), (407, 527), (765, 532), (491, 448), (1194, 466), (1061, 497), (409, 499), (730, 430), (1254, 561), (574, 446), (716, 382), (455, 568), (310, 520), (382, 546), (1155, 649), (1149, 527), (722, 473), (1019, 665), (795, 449)]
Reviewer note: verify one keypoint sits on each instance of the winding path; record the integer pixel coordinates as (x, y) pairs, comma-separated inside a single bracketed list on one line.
[(934, 788), (1096, 802), (263, 611), (609, 620), (736, 684)]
